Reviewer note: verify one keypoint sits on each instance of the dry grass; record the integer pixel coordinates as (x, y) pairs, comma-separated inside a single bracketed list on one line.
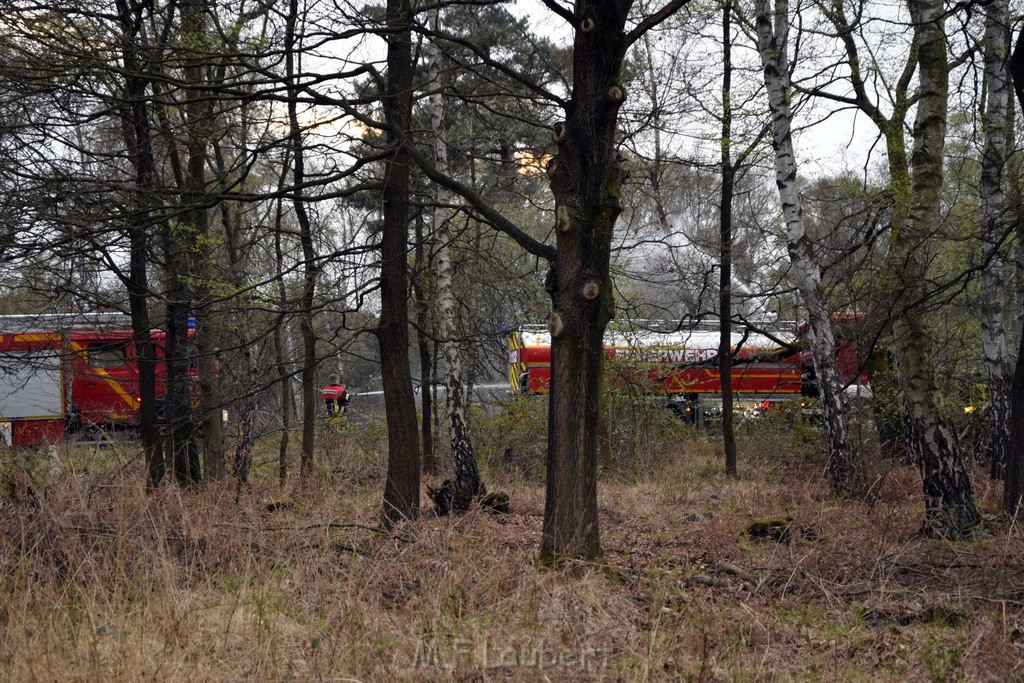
[(101, 582)]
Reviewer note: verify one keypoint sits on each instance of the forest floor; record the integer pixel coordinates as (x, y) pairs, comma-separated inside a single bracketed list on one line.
[(103, 582)]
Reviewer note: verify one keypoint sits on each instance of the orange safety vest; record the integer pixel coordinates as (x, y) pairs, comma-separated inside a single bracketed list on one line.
[(333, 392)]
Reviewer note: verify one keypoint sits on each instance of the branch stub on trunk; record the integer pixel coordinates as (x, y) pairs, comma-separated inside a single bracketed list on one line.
[(555, 325), (588, 25), (591, 290), (562, 220), (616, 94), (559, 132), (550, 167)]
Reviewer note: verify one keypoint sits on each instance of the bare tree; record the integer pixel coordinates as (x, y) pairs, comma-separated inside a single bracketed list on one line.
[(586, 177), (844, 469), (1013, 476), (466, 486), (725, 246), (915, 187), (402, 489), (949, 506), (992, 198), (309, 387), (139, 144)]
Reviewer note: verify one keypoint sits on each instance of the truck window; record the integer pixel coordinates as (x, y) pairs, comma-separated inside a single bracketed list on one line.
[(106, 355)]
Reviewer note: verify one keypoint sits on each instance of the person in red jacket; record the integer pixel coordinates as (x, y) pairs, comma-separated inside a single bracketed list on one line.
[(335, 396)]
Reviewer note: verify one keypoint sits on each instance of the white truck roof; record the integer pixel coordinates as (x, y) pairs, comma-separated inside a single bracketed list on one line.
[(695, 337), (55, 322)]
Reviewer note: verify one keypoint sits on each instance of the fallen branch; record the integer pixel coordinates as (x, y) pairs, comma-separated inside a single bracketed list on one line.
[(713, 581)]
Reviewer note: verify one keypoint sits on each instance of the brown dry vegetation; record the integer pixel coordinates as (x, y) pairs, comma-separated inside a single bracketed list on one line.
[(101, 582)]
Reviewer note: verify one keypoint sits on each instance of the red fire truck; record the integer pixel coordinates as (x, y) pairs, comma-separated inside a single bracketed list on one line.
[(62, 374), (662, 358)]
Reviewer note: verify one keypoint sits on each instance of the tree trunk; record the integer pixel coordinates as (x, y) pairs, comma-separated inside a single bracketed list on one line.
[(467, 476), (284, 377), (199, 116), (181, 441), (187, 245), (844, 473), (1013, 479), (949, 507), (282, 340), (402, 489), (309, 266), (992, 210), (246, 422), (725, 250), (1013, 476), (209, 391), (420, 287), (586, 179), (138, 141)]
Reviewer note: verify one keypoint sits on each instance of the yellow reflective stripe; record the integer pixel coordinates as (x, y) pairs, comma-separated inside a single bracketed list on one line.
[(116, 386), (36, 337), (514, 369), (25, 418)]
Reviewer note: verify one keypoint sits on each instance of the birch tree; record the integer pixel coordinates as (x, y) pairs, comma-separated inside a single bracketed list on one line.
[(844, 471), (1013, 476), (992, 199), (466, 486), (949, 505), (915, 188), (725, 247)]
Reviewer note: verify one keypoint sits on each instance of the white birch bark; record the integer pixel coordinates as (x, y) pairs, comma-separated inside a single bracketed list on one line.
[(992, 208), (843, 469), (467, 478)]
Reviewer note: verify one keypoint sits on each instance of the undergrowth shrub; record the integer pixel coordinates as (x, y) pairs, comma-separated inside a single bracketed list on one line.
[(512, 437), (642, 435), (787, 437), (353, 449), (645, 435)]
